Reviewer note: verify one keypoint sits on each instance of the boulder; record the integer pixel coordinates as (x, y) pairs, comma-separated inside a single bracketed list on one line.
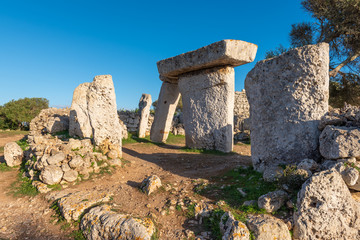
[(340, 142), (150, 184), (70, 175), (288, 95), (76, 162), (73, 205), (13, 154), (56, 159), (326, 209), (102, 223), (272, 201), (51, 174), (232, 229), (265, 227)]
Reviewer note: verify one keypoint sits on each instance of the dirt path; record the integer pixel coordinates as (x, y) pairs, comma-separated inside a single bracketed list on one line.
[(30, 217)]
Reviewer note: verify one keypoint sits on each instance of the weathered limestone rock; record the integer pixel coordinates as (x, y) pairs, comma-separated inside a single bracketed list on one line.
[(144, 109), (223, 53), (101, 223), (265, 227), (13, 154), (340, 142), (79, 116), (241, 111), (308, 164), (288, 95), (272, 201), (56, 159), (326, 209), (73, 205), (70, 175), (51, 174), (168, 99), (208, 105), (50, 120), (103, 114), (150, 184), (232, 229)]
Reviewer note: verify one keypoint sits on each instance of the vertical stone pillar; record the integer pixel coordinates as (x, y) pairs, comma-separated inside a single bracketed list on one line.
[(208, 105), (168, 99), (144, 109), (288, 95)]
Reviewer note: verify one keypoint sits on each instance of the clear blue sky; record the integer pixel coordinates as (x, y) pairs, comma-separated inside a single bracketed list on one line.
[(47, 48)]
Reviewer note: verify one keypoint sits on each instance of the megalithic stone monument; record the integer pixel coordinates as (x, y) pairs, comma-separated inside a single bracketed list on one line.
[(205, 79), (288, 95), (144, 109)]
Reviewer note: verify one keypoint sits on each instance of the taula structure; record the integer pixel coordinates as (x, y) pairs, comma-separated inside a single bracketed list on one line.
[(205, 79)]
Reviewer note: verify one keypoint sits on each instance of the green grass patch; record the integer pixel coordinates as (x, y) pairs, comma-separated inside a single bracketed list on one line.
[(23, 143), (77, 235), (1, 149), (247, 179), (12, 133), (205, 151), (55, 187), (172, 139), (22, 187), (62, 134), (6, 168)]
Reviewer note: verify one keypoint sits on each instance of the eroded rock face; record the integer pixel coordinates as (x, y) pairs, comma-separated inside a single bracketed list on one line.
[(51, 174), (272, 201), (265, 227), (340, 142), (144, 109), (288, 95), (101, 223), (208, 108), (232, 229), (326, 209), (94, 113), (150, 184), (73, 205), (13, 154), (79, 116)]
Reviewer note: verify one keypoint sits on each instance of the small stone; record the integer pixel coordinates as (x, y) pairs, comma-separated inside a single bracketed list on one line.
[(150, 184), (76, 162), (70, 176), (13, 154), (272, 201)]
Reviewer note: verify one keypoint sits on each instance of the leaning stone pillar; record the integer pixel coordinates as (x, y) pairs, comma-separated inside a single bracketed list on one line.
[(168, 99), (144, 109), (206, 83), (288, 95)]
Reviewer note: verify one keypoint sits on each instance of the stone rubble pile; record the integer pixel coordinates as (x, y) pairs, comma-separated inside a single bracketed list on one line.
[(131, 120)]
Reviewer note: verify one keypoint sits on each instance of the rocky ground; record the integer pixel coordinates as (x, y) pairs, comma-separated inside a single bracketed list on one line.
[(31, 217)]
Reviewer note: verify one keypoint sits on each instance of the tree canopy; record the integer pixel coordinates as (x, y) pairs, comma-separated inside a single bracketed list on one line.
[(337, 22), (16, 112)]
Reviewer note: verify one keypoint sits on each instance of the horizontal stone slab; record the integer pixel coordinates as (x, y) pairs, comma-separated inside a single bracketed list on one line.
[(223, 53)]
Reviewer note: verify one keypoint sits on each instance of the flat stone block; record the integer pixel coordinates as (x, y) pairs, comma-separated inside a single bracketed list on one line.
[(223, 53), (208, 105)]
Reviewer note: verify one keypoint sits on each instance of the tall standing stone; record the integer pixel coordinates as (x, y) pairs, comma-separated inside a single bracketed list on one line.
[(168, 99), (79, 118), (288, 95), (206, 81), (144, 109), (94, 114), (103, 114)]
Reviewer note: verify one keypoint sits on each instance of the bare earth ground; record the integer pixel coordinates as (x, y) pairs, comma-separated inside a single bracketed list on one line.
[(31, 217)]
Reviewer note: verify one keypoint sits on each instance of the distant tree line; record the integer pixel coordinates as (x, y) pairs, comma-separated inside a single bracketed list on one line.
[(17, 114), (337, 22)]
